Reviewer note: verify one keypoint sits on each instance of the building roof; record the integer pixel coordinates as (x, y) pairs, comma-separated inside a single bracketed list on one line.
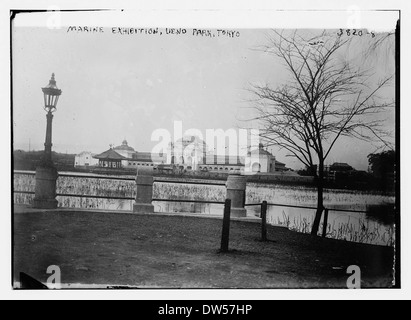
[(260, 151), (124, 146), (280, 164), (109, 155), (343, 167), (85, 153), (341, 164), (142, 156), (147, 157), (190, 140)]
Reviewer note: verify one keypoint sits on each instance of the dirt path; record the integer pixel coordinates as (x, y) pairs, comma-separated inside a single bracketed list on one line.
[(122, 249)]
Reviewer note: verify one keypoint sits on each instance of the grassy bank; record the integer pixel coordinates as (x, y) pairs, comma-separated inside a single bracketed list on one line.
[(181, 252)]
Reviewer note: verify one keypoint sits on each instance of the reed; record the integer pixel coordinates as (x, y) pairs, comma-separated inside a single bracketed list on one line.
[(361, 232)]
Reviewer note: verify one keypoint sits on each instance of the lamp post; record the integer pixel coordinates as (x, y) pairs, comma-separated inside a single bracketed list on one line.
[(46, 173)]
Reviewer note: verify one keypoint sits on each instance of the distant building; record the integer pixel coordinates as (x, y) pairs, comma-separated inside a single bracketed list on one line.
[(279, 166), (188, 154), (192, 153), (125, 150), (336, 169), (122, 156), (110, 159), (228, 164), (260, 160), (134, 159), (340, 167), (144, 159), (85, 159)]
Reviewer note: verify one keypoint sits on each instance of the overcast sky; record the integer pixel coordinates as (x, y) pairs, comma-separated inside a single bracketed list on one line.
[(119, 87)]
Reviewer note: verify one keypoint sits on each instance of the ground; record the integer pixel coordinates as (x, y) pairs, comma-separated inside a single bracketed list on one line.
[(163, 251)]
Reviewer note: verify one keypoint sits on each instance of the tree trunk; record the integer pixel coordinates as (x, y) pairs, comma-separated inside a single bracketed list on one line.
[(320, 199)]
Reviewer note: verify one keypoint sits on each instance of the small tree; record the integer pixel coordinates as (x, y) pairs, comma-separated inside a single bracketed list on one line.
[(326, 98)]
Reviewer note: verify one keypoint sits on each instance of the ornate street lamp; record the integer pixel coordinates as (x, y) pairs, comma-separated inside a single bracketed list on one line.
[(51, 97), (46, 173)]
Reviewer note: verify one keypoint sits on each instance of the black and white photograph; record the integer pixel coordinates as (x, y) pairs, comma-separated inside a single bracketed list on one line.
[(209, 156)]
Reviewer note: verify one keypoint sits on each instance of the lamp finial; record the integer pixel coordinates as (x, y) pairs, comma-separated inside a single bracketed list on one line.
[(52, 81)]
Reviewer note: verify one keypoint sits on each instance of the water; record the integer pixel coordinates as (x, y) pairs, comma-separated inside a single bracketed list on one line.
[(358, 227)]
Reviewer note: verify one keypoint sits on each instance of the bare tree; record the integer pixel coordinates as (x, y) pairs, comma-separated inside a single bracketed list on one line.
[(326, 98)]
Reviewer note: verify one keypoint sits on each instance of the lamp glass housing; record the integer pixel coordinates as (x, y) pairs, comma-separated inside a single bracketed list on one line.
[(51, 95)]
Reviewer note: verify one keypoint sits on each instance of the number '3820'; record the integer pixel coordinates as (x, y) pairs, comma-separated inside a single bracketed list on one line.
[(354, 32)]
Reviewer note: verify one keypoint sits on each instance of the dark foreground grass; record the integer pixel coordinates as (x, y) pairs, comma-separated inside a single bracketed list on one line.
[(152, 251)]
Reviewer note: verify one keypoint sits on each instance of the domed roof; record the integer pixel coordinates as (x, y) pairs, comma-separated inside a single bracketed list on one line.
[(193, 139), (190, 140), (260, 151), (124, 146)]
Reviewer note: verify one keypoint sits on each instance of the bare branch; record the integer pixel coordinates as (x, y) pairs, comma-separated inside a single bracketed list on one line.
[(326, 98)]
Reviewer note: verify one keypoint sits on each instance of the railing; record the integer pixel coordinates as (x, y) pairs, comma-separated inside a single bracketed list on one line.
[(91, 176), (189, 201), (122, 178), (159, 180), (298, 226), (303, 207)]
